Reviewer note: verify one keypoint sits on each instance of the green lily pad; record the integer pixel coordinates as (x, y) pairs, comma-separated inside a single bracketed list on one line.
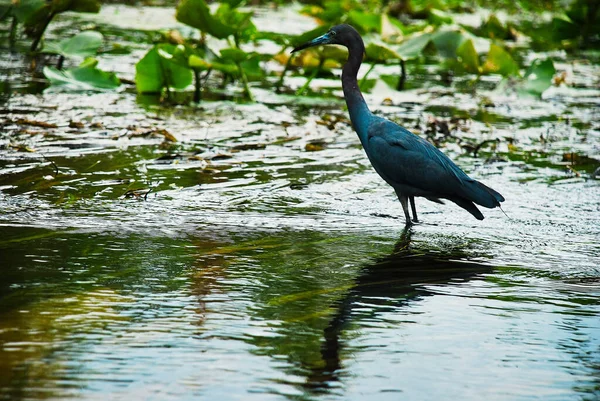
[(499, 61), (366, 22), (86, 77), (84, 44), (469, 58), (413, 47), (155, 71), (538, 78), (196, 14), (234, 54), (380, 53)]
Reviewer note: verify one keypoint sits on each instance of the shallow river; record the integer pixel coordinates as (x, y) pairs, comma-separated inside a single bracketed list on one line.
[(260, 257)]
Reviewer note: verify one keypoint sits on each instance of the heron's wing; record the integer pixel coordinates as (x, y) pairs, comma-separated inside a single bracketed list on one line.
[(404, 158)]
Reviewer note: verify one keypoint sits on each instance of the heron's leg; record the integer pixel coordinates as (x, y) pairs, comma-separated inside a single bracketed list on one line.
[(414, 208), (404, 202)]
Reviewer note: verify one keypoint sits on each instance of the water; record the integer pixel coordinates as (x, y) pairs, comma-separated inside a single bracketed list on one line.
[(260, 257)]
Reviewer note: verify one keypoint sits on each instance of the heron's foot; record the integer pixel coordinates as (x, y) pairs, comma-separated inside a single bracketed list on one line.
[(408, 224)]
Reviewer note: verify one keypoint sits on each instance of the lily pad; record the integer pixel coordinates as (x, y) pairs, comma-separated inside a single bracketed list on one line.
[(469, 58), (196, 14), (84, 44), (538, 78), (85, 77), (499, 61), (155, 72)]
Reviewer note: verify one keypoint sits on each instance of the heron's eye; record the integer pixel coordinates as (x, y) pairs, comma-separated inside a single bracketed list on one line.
[(333, 33)]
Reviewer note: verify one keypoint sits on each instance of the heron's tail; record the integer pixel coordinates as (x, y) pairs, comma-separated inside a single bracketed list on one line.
[(481, 194), (468, 206)]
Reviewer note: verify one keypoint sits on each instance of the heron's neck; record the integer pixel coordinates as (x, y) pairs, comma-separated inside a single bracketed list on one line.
[(357, 107)]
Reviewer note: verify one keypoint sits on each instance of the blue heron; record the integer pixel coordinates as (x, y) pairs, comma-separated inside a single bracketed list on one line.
[(410, 164)]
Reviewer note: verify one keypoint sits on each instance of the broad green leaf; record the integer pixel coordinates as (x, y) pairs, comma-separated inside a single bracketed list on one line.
[(27, 11), (493, 28), (538, 77), (197, 63), (81, 6), (499, 61), (439, 17), (252, 68), (310, 35), (366, 22), (234, 54), (196, 14), (447, 42), (84, 44), (380, 53), (82, 78), (244, 28), (391, 30), (468, 56), (155, 72), (414, 46)]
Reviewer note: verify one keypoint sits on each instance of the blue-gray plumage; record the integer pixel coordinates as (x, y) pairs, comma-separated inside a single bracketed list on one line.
[(411, 165)]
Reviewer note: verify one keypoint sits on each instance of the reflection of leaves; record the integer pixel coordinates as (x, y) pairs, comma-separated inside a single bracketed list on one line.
[(84, 44), (499, 61), (155, 71), (84, 77)]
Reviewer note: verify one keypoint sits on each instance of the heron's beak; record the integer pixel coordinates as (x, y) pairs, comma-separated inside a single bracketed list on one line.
[(321, 40)]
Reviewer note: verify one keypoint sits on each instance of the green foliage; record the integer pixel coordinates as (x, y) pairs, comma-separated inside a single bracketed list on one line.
[(469, 59), (538, 78), (84, 44), (499, 61), (159, 69), (84, 77), (196, 14)]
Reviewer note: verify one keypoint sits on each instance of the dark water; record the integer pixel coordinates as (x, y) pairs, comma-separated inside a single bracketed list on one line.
[(260, 257)]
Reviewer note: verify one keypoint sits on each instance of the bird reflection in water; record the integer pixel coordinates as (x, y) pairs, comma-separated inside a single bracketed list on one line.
[(394, 280)]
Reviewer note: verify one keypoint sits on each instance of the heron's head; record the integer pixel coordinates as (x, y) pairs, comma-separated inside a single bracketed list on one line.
[(338, 35)]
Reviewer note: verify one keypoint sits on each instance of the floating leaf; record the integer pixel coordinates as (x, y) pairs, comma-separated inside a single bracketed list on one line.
[(439, 17), (196, 14), (468, 56), (391, 31), (414, 46), (538, 77), (380, 53), (155, 72), (447, 42), (30, 11), (234, 54), (367, 22), (499, 61), (84, 44), (82, 78)]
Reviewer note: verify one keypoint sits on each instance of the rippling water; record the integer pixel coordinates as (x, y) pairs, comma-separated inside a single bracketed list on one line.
[(260, 256)]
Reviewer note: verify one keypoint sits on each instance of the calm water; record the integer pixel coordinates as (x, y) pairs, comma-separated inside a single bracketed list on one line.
[(268, 260)]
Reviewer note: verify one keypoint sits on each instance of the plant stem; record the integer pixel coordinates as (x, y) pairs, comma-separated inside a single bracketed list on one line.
[(364, 79), (245, 82), (285, 69), (301, 91), (197, 86), (402, 79), (36, 41), (13, 31)]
